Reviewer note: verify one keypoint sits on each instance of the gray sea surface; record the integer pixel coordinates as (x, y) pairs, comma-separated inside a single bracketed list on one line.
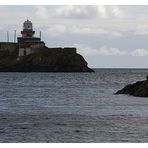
[(72, 107)]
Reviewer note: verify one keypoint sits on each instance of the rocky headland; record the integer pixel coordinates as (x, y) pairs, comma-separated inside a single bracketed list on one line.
[(45, 60), (139, 89)]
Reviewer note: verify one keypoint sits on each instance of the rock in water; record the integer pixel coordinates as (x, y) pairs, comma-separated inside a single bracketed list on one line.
[(147, 77), (139, 89)]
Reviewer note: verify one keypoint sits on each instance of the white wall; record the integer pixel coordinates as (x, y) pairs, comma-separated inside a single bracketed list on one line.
[(23, 51)]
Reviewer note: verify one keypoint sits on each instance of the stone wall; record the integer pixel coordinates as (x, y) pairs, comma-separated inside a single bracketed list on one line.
[(8, 46), (70, 50), (38, 45), (67, 50)]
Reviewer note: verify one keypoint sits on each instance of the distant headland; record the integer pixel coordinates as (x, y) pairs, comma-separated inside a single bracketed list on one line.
[(30, 54)]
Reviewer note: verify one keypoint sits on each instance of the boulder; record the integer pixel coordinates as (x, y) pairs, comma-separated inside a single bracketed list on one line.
[(139, 89)]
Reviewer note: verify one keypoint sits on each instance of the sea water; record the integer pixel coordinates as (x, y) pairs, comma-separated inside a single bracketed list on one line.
[(72, 107)]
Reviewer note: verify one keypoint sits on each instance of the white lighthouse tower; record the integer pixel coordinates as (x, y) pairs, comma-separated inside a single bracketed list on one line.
[(29, 44), (27, 30)]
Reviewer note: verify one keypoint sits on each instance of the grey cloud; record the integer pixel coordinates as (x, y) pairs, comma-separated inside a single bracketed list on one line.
[(110, 51), (88, 12)]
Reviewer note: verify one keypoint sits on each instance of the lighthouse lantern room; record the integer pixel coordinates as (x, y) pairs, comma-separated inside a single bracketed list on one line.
[(27, 30)]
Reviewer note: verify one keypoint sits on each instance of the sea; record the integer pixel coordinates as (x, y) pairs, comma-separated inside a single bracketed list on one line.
[(72, 107)]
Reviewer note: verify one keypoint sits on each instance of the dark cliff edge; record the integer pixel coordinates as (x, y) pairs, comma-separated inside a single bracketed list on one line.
[(139, 89), (47, 60)]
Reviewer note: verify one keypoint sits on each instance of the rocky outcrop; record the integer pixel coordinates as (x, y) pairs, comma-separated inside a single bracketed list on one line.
[(139, 89), (48, 60)]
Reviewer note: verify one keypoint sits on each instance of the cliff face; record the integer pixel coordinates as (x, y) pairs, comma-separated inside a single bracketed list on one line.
[(43, 61), (139, 89)]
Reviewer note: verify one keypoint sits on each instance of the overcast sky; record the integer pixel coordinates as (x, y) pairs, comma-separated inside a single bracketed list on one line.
[(107, 36)]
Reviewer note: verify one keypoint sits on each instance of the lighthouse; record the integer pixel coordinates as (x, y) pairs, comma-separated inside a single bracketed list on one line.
[(28, 43), (27, 30)]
